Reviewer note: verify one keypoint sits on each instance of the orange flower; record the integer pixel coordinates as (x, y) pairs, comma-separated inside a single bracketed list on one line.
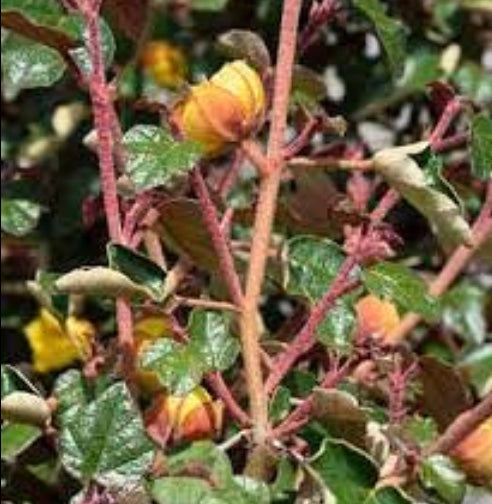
[(194, 416), (165, 63), (146, 331), (377, 317), (222, 110), (474, 453)]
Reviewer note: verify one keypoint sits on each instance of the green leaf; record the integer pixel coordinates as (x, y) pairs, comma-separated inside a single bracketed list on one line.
[(388, 495), (41, 12), (421, 430), (477, 366), (347, 472), (27, 65), (211, 338), (439, 473), (481, 142), (464, 312), (402, 286), (285, 481), (16, 438), (313, 264), (475, 82), (208, 5), (138, 268), (390, 31), (279, 405), (179, 367), (154, 157), (106, 441), (180, 490), (13, 380), (19, 217)]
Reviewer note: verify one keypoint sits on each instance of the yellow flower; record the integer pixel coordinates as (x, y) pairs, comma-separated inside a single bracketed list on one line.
[(55, 346), (377, 317), (146, 331), (165, 63), (474, 453), (222, 110), (194, 416)]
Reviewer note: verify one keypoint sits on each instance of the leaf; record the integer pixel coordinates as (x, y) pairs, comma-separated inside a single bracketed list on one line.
[(208, 5), (16, 438), (404, 174), (154, 157), (390, 31), (313, 265), (481, 142), (19, 217), (13, 380), (388, 495), (306, 81), (438, 472), (402, 286), (477, 366), (444, 395), (210, 336), (340, 414), (38, 20), (179, 367), (347, 472), (129, 16), (279, 405), (138, 268), (182, 229), (180, 490), (247, 45), (106, 441), (464, 312), (475, 82), (27, 65)]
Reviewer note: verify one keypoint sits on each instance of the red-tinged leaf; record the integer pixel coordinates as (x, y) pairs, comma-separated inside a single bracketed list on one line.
[(129, 16)]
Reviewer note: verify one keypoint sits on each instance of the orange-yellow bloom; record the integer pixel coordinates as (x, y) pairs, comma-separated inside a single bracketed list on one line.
[(377, 317), (474, 453), (146, 331), (194, 416), (224, 109), (55, 346), (165, 63)]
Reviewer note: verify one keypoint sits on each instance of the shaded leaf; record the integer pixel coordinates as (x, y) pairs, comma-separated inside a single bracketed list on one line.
[(154, 157), (477, 366), (347, 472), (390, 31), (481, 145), (245, 44), (464, 312), (106, 441), (128, 15), (474, 81), (444, 395), (182, 228), (16, 438), (279, 404), (13, 380), (308, 82), (138, 268), (27, 65), (208, 5), (340, 414), (404, 174), (402, 286), (440, 474)]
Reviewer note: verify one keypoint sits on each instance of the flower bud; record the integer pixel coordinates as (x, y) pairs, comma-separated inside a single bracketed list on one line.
[(222, 110), (474, 453), (165, 63), (377, 317), (194, 416), (25, 408)]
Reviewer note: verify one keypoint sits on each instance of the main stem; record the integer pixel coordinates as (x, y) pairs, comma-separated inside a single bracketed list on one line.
[(265, 213), (103, 120)]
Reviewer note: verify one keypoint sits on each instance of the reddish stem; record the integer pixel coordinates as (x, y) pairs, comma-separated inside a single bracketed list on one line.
[(451, 110)]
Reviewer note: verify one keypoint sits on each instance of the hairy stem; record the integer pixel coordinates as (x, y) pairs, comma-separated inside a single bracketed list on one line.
[(265, 213)]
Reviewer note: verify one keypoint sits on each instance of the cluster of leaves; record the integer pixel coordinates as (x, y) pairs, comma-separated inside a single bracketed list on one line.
[(384, 61)]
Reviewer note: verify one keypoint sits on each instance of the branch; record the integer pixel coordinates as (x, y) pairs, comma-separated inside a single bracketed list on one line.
[(462, 426), (265, 213)]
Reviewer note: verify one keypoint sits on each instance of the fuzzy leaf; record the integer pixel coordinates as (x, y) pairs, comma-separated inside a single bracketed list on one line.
[(481, 145), (154, 157), (404, 174), (439, 473), (106, 441)]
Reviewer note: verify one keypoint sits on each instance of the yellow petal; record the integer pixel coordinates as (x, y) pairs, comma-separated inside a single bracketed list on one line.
[(178, 408), (51, 345), (377, 317), (165, 63)]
